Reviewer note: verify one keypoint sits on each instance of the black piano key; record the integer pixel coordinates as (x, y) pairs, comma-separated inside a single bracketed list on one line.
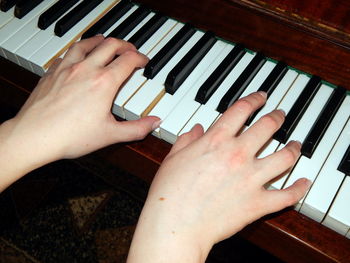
[(54, 12), (219, 74), (130, 23), (237, 88), (270, 83), (146, 31), (344, 165), (6, 5), (168, 51), (23, 7), (297, 110), (109, 19), (185, 66), (74, 16), (324, 119)]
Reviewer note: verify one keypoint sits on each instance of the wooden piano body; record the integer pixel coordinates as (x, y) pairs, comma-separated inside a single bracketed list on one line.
[(309, 35)]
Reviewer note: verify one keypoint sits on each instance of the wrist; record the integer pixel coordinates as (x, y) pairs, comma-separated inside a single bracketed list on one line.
[(20, 153), (161, 238)]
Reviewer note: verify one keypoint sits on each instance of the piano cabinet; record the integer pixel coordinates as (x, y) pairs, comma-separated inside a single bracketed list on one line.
[(323, 51)]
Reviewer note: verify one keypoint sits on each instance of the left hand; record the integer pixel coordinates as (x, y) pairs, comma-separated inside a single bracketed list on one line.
[(69, 112)]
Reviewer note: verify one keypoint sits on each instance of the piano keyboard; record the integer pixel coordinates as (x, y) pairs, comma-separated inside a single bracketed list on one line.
[(193, 77)]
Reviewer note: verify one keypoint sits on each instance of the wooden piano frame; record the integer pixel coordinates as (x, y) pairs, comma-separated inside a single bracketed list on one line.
[(288, 235)]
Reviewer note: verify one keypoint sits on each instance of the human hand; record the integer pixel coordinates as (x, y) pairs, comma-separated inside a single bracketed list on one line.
[(70, 109), (69, 112), (211, 185)]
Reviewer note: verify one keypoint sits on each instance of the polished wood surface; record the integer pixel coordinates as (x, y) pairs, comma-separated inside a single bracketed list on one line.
[(260, 26)]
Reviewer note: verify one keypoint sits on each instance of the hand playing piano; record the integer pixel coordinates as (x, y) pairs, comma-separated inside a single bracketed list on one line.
[(211, 185), (69, 112)]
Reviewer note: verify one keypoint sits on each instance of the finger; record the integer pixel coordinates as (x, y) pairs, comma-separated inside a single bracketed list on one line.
[(107, 50), (234, 118), (261, 131), (279, 199), (133, 130), (279, 162), (78, 51), (185, 139), (122, 67)]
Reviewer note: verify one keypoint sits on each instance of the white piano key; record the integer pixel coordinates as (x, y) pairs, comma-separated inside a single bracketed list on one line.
[(42, 59), (150, 48), (177, 119), (214, 101), (154, 89), (24, 52), (10, 46), (16, 24), (198, 76), (310, 167), (304, 125), (6, 17), (328, 181), (277, 95), (121, 20), (338, 217)]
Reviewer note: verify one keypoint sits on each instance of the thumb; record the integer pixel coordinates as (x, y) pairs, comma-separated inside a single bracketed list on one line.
[(135, 130)]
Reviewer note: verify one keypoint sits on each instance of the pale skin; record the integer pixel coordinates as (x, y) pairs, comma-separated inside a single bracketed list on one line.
[(210, 185)]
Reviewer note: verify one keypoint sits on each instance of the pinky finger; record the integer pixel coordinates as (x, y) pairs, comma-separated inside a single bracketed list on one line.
[(280, 199)]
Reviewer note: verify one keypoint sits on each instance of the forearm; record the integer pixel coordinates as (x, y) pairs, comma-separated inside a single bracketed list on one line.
[(19, 154)]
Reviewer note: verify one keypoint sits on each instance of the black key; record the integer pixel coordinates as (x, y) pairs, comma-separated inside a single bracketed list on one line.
[(146, 31), (324, 119), (270, 83), (6, 5), (168, 51), (74, 16), (298, 109), (344, 165), (130, 23), (23, 7), (54, 12), (241, 82), (109, 19), (220, 73), (185, 66)]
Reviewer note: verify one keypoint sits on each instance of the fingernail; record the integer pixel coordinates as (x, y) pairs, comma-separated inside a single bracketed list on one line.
[(263, 94), (156, 124), (307, 182), (282, 111)]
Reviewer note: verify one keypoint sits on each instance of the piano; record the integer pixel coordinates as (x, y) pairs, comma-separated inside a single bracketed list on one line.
[(298, 53)]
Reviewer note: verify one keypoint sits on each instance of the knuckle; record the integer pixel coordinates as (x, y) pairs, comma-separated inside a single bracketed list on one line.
[(244, 105), (270, 121), (291, 198), (289, 156)]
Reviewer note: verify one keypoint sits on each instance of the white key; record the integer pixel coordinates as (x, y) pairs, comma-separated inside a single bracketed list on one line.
[(154, 89), (285, 104), (24, 52), (150, 48), (303, 127), (198, 76), (338, 217), (175, 123), (121, 20), (328, 181), (16, 24), (6, 17), (277, 95), (252, 87), (42, 59), (11, 45), (310, 167)]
